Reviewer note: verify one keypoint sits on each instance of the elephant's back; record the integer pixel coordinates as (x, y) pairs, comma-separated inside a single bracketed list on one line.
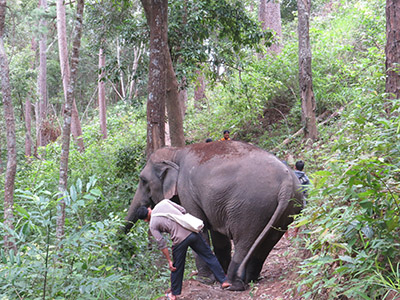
[(220, 150), (227, 167), (237, 181)]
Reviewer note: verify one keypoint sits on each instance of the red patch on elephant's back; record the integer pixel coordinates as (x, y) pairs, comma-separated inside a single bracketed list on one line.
[(207, 151)]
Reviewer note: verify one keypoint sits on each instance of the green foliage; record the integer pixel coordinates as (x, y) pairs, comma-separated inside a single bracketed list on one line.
[(348, 53), (391, 281), (346, 66), (87, 264), (210, 32), (353, 216), (23, 77), (119, 28), (239, 104)]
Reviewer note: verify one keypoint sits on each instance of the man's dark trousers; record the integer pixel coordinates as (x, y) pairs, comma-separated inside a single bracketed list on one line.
[(197, 243)]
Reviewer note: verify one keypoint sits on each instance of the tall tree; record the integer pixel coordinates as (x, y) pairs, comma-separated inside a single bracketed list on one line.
[(28, 110), (66, 134), (224, 26), (183, 95), (174, 105), (121, 73), (10, 130), (269, 14), (199, 89), (1, 161), (28, 128), (65, 71), (42, 79), (392, 48), (156, 15), (137, 53), (76, 128), (102, 94), (308, 104), (161, 66)]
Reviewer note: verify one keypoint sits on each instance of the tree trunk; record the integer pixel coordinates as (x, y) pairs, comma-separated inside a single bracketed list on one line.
[(65, 71), (121, 74), (199, 89), (10, 132), (269, 14), (102, 95), (62, 186), (28, 128), (42, 82), (28, 113), (174, 107), (156, 15), (167, 136), (392, 48), (182, 86), (183, 97), (1, 161), (305, 75), (175, 100), (76, 128), (137, 52)]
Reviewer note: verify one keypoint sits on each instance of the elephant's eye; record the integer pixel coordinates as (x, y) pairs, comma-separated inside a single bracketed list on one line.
[(144, 181)]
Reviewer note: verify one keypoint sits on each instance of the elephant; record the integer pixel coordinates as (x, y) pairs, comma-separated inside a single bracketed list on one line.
[(243, 194)]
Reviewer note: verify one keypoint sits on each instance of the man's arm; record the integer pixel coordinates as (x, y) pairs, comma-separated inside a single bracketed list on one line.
[(170, 263), (158, 236)]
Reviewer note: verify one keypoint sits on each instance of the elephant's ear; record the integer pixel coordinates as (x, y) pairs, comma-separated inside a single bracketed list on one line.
[(169, 175)]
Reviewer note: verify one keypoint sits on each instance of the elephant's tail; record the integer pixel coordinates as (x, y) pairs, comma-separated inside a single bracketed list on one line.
[(285, 194)]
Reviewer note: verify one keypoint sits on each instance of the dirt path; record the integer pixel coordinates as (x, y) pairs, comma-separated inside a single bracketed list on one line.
[(277, 273)]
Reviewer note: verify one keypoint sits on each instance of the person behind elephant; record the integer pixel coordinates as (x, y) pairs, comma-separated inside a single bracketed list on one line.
[(209, 140), (226, 136), (181, 240), (305, 182)]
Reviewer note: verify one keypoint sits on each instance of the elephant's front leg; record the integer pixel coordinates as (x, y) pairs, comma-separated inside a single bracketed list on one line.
[(222, 249)]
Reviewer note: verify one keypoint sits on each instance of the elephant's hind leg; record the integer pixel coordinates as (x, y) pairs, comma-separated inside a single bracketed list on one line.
[(256, 262), (222, 249)]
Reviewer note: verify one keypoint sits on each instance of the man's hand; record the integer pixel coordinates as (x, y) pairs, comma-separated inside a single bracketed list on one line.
[(171, 266), (170, 263)]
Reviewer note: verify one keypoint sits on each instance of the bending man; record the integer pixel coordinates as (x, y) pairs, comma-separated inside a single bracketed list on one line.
[(181, 240)]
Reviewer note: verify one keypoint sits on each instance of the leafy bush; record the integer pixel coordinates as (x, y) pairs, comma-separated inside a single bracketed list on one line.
[(89, 263), (354, 213)]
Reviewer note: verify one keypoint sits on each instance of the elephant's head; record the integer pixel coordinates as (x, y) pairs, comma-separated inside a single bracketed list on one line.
[(157, 181)]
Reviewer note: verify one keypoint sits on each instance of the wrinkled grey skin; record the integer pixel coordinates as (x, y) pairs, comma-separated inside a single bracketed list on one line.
[(242, 193)]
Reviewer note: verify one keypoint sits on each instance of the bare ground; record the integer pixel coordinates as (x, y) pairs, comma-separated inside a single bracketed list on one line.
[(276, 283)]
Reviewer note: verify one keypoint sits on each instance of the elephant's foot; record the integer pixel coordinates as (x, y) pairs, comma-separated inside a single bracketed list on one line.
[(237, 285)]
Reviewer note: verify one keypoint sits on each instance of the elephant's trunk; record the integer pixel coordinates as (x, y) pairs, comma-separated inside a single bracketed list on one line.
[(131, 217)]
